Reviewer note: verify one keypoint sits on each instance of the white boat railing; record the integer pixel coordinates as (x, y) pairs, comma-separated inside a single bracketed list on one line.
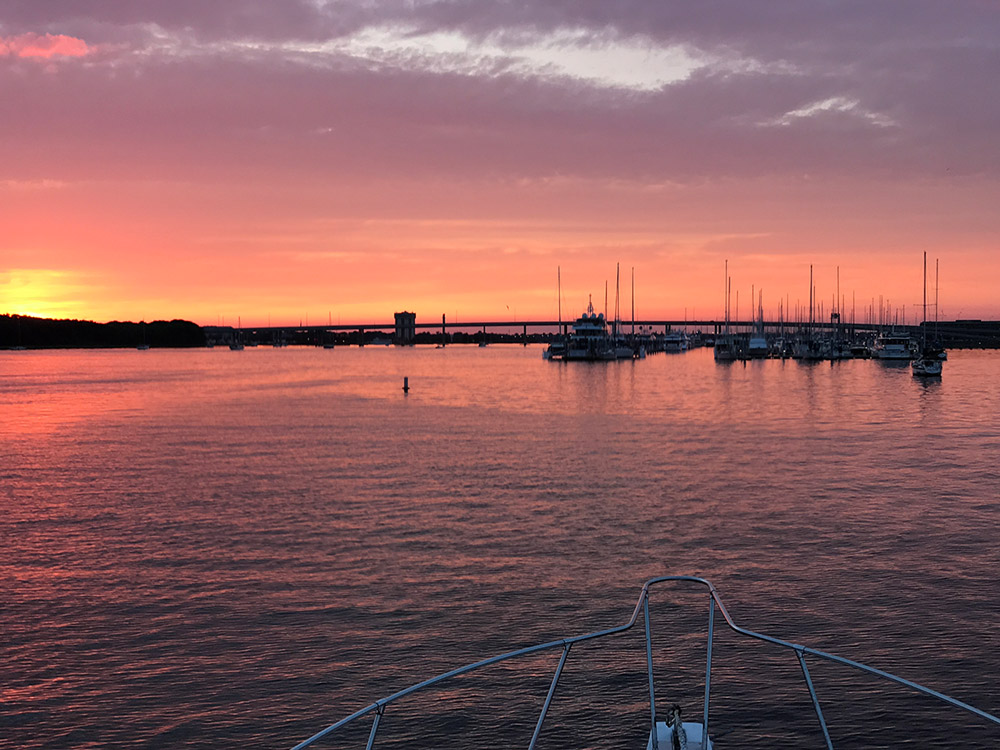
[(379, 706)]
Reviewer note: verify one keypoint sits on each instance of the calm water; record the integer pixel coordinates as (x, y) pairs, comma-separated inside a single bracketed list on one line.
[(234, 549)]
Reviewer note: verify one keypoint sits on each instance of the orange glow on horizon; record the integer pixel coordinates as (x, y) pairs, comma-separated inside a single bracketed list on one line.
[(44, 293), (165, 176), (126, 251)]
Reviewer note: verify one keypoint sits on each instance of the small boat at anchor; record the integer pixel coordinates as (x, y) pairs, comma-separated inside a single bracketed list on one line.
[(927, 365), (930, 361), (725, 348)]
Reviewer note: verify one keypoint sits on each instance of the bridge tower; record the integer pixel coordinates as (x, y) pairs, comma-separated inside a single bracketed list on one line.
[(406, 328)]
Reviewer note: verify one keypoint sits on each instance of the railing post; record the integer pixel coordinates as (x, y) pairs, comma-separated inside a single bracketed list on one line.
[(548, 698), (649, 667), (812, 693), (378, 718), (708, 669)]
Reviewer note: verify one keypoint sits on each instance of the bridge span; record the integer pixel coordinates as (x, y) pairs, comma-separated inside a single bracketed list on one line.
[(521, 330)]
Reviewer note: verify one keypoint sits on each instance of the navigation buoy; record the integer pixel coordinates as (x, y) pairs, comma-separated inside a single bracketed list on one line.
[(406, 385)]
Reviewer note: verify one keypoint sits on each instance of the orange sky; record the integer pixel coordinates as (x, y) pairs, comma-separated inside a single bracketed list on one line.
[(295, 162)]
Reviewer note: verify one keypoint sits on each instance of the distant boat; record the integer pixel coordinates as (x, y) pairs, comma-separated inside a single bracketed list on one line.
[(725, 349), (927, 365), (557, 348), (237, 343), (675, 341), (929, 362), (811, 349), (590, 340), (894, 345), (860, 351), (757, 347)]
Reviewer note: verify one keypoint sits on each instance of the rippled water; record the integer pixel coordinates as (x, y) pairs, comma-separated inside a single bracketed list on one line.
[(234, 549)]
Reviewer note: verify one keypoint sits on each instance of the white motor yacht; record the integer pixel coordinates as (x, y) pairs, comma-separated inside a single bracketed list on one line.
[(590, 340), (894, 345)]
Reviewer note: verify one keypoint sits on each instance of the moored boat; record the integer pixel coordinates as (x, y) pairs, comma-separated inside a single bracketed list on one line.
[(556, 349), (675, 341), (757, 347), (927, 365), (590, 340), (930, 361), (895, 345), (725, 348)]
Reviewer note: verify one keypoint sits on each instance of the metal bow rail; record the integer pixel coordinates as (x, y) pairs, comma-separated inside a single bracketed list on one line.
[(379, 706)]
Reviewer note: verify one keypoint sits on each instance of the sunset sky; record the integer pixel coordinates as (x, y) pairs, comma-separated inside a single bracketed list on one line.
[(299, 159)]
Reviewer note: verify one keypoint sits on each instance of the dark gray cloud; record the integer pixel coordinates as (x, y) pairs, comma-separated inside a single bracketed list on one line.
[(909, 86)]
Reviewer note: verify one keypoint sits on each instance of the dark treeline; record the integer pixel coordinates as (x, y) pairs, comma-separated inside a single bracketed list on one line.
[(45, 333)]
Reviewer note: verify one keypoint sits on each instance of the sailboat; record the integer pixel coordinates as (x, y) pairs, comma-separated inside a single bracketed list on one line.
[(143, 346), (557, 349), (328, 340), (237, 343), (725, 346), (757, 347), (622, 345), (928, 363)]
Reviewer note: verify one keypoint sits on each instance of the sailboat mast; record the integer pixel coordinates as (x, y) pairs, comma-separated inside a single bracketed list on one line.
[(924, 323), (618, 280), (559, 287), (729, 304), (725, 296), (633, 301), (811, 289)]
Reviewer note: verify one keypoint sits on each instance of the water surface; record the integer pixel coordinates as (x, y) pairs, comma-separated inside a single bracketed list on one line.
[(234, 549)]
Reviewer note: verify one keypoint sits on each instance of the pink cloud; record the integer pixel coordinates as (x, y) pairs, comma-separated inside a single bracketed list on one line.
[(43, 46)]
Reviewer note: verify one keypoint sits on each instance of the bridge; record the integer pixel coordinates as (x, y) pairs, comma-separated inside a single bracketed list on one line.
[(509, 330)]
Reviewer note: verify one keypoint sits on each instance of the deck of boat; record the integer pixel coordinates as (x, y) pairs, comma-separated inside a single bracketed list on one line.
[(665, 736)]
